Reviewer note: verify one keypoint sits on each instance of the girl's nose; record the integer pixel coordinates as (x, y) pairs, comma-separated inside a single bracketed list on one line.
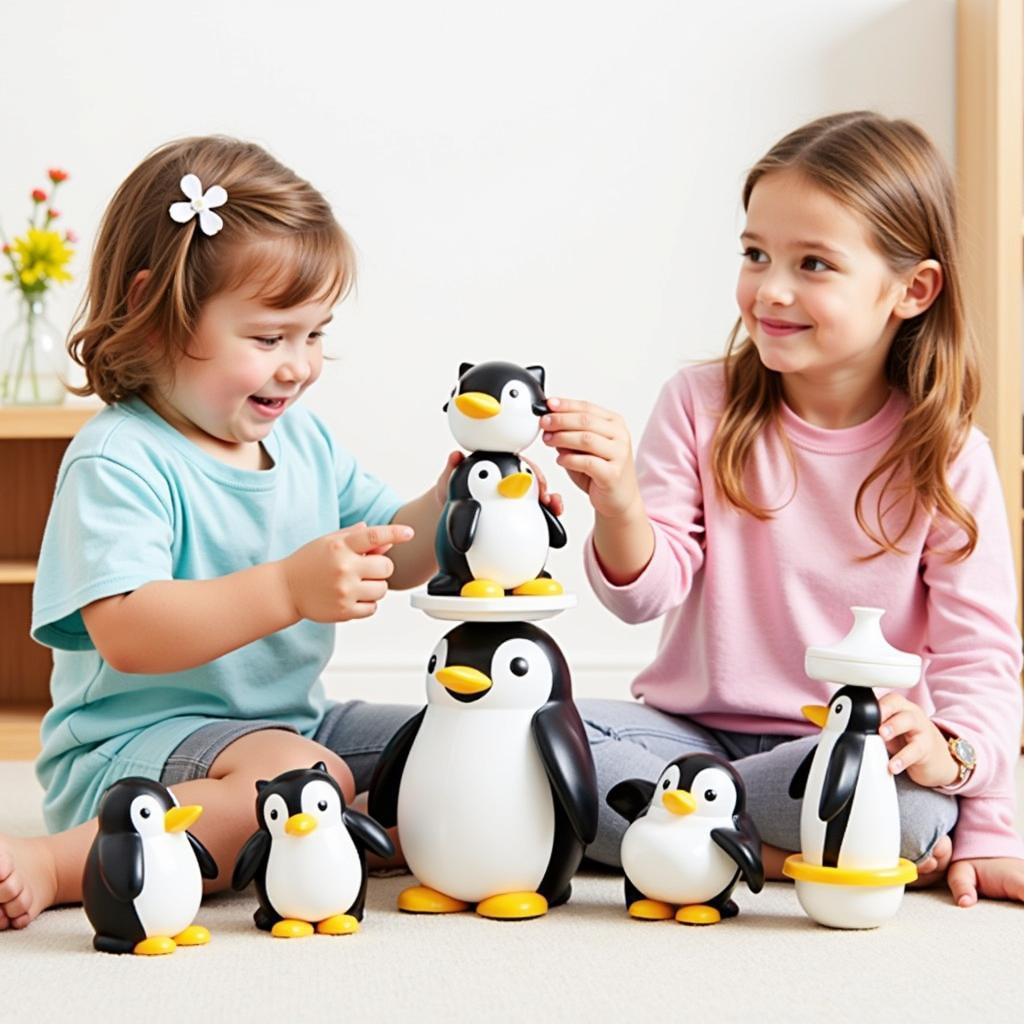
[(775, 290), (296, 367)]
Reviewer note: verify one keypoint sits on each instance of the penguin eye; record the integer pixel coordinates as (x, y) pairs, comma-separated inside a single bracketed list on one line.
[(519, 666), (665, 784), (273, 815), (514, 393), (145, 812), (710, 795), (527, 470), (840, 708), (322, 805), (432, 664), (483, 474)]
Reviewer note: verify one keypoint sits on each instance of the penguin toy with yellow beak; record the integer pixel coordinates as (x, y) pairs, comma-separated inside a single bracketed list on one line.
[(496, 406), (492, 784), (308, 856), (494, 534), (143, 880), (689, 841)]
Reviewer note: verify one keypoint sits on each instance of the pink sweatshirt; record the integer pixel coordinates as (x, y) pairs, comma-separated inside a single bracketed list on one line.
[(743, 598)]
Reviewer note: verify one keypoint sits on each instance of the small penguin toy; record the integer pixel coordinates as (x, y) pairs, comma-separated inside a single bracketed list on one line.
[(143, 880), (689, 841), (308, 856), (492, 784), (837, 831), (496, 406), (494, 534)]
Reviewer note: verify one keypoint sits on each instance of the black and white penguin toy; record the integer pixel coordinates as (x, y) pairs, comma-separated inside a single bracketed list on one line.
[(850, 815), (494, 534), (143, 880), (496, 406), (689, 841), (308, 856), (492, 784)]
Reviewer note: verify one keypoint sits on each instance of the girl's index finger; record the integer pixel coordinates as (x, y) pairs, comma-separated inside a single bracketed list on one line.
[(577, 405)]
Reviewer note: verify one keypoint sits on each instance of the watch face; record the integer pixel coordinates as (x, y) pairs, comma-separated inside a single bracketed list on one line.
[(964, 752)]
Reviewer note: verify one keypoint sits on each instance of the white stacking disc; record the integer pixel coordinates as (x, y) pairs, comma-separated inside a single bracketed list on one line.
[(491, 609), (864, 657)]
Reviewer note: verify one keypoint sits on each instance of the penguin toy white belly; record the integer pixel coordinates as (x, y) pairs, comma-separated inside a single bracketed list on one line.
[(689, 841), (496, 406), (492, 785), (850, 814), (143, 880), (495, 533), (308, 856)]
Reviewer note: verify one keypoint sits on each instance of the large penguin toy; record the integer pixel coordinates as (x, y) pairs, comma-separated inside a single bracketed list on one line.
[(143, 880), (495, 533), (308, 856), (689, 841), (496, 406), (492, 784), (849, 817)]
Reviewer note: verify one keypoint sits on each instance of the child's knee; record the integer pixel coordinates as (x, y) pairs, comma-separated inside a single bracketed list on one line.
[(925, 817)]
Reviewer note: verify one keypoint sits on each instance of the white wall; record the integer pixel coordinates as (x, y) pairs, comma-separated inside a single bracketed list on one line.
[(546, 182)]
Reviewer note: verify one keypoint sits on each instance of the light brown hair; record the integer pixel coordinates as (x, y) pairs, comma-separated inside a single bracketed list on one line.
[(890, 173), (279, 234)]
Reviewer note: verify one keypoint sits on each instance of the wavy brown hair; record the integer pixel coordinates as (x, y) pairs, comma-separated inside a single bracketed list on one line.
[(890, 173), (279, 236)]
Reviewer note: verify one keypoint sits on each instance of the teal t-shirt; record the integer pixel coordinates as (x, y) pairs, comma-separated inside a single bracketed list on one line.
[(136, 501)]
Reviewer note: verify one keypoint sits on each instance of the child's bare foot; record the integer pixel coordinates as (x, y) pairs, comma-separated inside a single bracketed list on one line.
[(28, 880), (932, 869)]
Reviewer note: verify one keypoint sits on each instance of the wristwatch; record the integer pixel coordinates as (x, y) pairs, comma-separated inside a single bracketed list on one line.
[(963, 753)]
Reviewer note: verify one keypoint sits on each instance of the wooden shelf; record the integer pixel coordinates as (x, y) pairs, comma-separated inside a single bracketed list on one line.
[(19, 732), (19, 570), (43, 421)]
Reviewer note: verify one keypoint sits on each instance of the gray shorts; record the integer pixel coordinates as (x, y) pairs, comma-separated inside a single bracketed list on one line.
[(355, 730)]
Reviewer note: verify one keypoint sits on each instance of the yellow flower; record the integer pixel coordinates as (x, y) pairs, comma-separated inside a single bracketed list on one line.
[(41, 256)]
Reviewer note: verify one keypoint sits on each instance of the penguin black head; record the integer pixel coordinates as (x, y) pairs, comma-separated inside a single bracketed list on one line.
[(299, 801), (703, 785), (496, 406), (143, 806), (500, 664), (852, 709), (486, 476)]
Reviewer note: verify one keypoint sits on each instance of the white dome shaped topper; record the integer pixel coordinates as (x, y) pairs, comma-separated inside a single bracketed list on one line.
[(864, 657)]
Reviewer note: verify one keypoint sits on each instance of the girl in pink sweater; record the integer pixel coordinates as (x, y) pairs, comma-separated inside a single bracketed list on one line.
[(827, 460)]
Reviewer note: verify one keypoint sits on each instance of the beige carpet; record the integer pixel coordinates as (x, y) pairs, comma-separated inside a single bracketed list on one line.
[(585, 961)]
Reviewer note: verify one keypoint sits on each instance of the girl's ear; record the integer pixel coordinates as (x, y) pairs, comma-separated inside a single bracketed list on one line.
[(137, 289), (921, 289)]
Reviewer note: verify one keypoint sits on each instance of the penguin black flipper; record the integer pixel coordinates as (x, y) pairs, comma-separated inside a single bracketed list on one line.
[(556, 531), (207, 865), (630, 798), (251, 858), (743, 845), (841, 775), (798, 784), (387, 776), (366, 831), (562, 742), (463, 516), (121, 864)]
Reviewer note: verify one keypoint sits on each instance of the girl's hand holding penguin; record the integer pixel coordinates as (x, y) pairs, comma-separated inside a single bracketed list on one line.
[(594, 447), (552, 499), (915, 743), (342, 575)]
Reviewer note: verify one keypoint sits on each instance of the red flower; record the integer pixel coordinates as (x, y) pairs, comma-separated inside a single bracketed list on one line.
[(70, 236), (7, 248), (53, 214), (57, 175), (38, 195)]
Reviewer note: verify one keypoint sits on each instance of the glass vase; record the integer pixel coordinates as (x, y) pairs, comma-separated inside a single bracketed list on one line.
[(33, 360)]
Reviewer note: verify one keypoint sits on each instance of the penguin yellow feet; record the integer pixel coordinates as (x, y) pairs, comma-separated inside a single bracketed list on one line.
[(194, 935), (650, 910), (420, 899), (482, 588), (155, 945), (291, 929), (540, 587), (340, 924), (513, 906), (698, 914)]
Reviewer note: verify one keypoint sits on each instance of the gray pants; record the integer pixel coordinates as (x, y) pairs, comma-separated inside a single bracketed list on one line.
[(629, 740)]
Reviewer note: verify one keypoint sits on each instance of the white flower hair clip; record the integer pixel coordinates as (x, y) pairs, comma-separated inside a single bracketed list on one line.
[(200, 203)]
